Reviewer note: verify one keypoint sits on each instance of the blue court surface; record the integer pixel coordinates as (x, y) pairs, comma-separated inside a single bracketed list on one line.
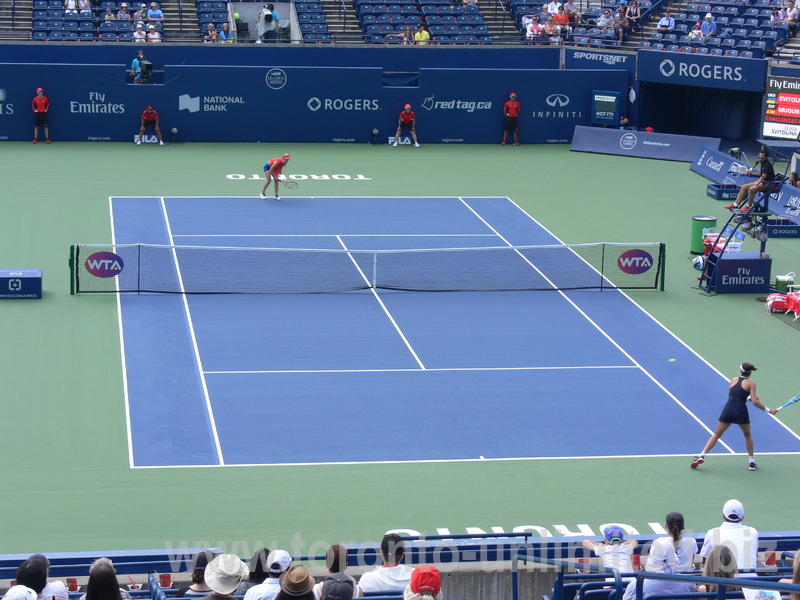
[(377, 375)]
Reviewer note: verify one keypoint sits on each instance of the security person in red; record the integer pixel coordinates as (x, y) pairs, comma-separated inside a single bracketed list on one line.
[(511, 113)]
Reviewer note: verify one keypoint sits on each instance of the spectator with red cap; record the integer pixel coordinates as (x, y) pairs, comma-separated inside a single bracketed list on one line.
[(272, 169), (40, 107), (511, 113), (426, 584), (408, 120)]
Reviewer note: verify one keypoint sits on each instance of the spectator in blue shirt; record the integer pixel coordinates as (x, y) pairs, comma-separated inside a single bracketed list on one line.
[(155, 14), (709, 27), (666, 24)]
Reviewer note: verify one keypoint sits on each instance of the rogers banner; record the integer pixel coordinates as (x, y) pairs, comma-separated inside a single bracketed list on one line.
[(782, 112)]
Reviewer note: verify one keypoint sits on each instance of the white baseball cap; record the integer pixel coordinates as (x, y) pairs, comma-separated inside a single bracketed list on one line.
[(733, 511)]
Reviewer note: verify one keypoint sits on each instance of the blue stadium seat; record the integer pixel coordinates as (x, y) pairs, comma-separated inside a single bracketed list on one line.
[(413, 20), (751, 24), (86, 36), (701, 50), (642, 46), (40, 26), (448, 20), (56, 36), (751, 13), (713, 42), (739, 34), (717, 52), (672, 48), (737, 23), (108, 27), (745, 54), (86, 26), (40, 5), (205, 7), (684, 40), (728, 44), (39, 36), (770, 38), (55, 14), (481, 30), (732, 53), (759, 49), (656, 37), (657, 46), (681, 29), (743, 45), (669, 38), (71, 26), (721, 22), (436, 30), (732, 12), (220, 6), (40, 15), (451, 30), (765, 13), (55, 25)]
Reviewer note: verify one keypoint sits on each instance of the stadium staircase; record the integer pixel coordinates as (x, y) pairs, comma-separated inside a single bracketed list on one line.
[(15, 20), (180, 26)]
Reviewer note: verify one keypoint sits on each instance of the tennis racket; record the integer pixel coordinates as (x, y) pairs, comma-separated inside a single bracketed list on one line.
[(792, 401), (292, 185)]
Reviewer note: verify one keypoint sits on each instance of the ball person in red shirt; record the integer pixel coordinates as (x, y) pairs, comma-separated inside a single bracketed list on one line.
[(511, 113), (40, 107), (407, 119), (149, 119), (273, 168)]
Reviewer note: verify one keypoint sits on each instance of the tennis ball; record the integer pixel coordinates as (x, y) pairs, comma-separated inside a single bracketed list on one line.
[(235, 15), (672, 360)]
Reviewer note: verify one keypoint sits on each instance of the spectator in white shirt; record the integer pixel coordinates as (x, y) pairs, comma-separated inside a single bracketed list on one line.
[(392, 576), (278, 563), (743, 540), (54, 589)]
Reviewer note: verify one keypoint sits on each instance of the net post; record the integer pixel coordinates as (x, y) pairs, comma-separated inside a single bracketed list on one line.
[(602, 267), (662, 257), (374, 270), (72, 270)]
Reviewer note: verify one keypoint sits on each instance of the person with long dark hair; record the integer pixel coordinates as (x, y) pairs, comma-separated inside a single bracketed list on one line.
[(103, 584), (740, 390)]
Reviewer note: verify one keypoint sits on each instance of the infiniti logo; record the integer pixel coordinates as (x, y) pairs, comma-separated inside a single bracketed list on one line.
[(667, 67), (557, 100)]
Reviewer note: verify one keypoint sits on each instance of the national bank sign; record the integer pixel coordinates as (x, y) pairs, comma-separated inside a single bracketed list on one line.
[(701, 70)]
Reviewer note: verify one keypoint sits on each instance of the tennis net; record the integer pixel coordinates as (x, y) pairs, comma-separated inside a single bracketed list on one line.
[(216, 270)]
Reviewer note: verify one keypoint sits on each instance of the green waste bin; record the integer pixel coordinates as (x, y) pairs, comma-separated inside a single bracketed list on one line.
[(701, 226)]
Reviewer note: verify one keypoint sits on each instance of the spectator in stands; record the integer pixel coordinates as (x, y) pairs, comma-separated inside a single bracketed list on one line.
[(534, 33), (406, 38), (138, 34), (696, 31), (720, 563), (109, 16), (666, 24), (741, 388), (198, 587), (634, 14), (153, 35), (794, 179), (336, 562), (551, 31), (32, 573), (278, 563), (223, 575), (296, 584), (732, 533), (511, 111), (267, 26), (422, 37), (211, 34), (425, 584), (150, 119), (155, 14), (573, 11), (606, 21), (123, 14), (407, 120), (41, 106), (85, 7), (543, 16), (615, 550), (709, 26), (258, 572), (337, 586), (553, 6), (669, 554), (225, 34), (54, 589), (141, 14), (563, 20), (103, 583), (777, 15), (70, 8), (470, 2), (791, 18), (621, 24), (392, 575)]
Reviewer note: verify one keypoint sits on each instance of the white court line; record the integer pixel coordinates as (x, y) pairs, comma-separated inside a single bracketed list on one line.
[(383, 306), (454, 369), (185, 297), (602, 332), (122, 346), (326, 235), (461, 460)]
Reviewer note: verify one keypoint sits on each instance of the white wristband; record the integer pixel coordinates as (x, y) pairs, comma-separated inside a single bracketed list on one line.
[(767, 409)]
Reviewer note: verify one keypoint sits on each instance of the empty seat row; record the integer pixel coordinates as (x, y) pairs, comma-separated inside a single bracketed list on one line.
[(211, 6), (66, 36)]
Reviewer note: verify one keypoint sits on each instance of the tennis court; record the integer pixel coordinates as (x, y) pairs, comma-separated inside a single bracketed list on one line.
[(482, 374)]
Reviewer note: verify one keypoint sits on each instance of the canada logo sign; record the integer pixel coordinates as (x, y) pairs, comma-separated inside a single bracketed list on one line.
[(635, 262), (104, 264)]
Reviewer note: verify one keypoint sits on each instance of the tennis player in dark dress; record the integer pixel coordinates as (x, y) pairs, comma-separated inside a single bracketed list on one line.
[(735, 412)]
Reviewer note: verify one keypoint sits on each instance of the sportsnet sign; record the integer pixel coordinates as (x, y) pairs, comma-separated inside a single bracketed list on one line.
[(743, 74), (582, 58)]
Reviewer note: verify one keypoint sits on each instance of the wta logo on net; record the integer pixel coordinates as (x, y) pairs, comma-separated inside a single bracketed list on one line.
[(635, 262), (104, 264)]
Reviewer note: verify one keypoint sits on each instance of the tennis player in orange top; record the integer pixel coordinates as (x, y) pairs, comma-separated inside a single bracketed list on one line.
[(407, 119), (272, 169)]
